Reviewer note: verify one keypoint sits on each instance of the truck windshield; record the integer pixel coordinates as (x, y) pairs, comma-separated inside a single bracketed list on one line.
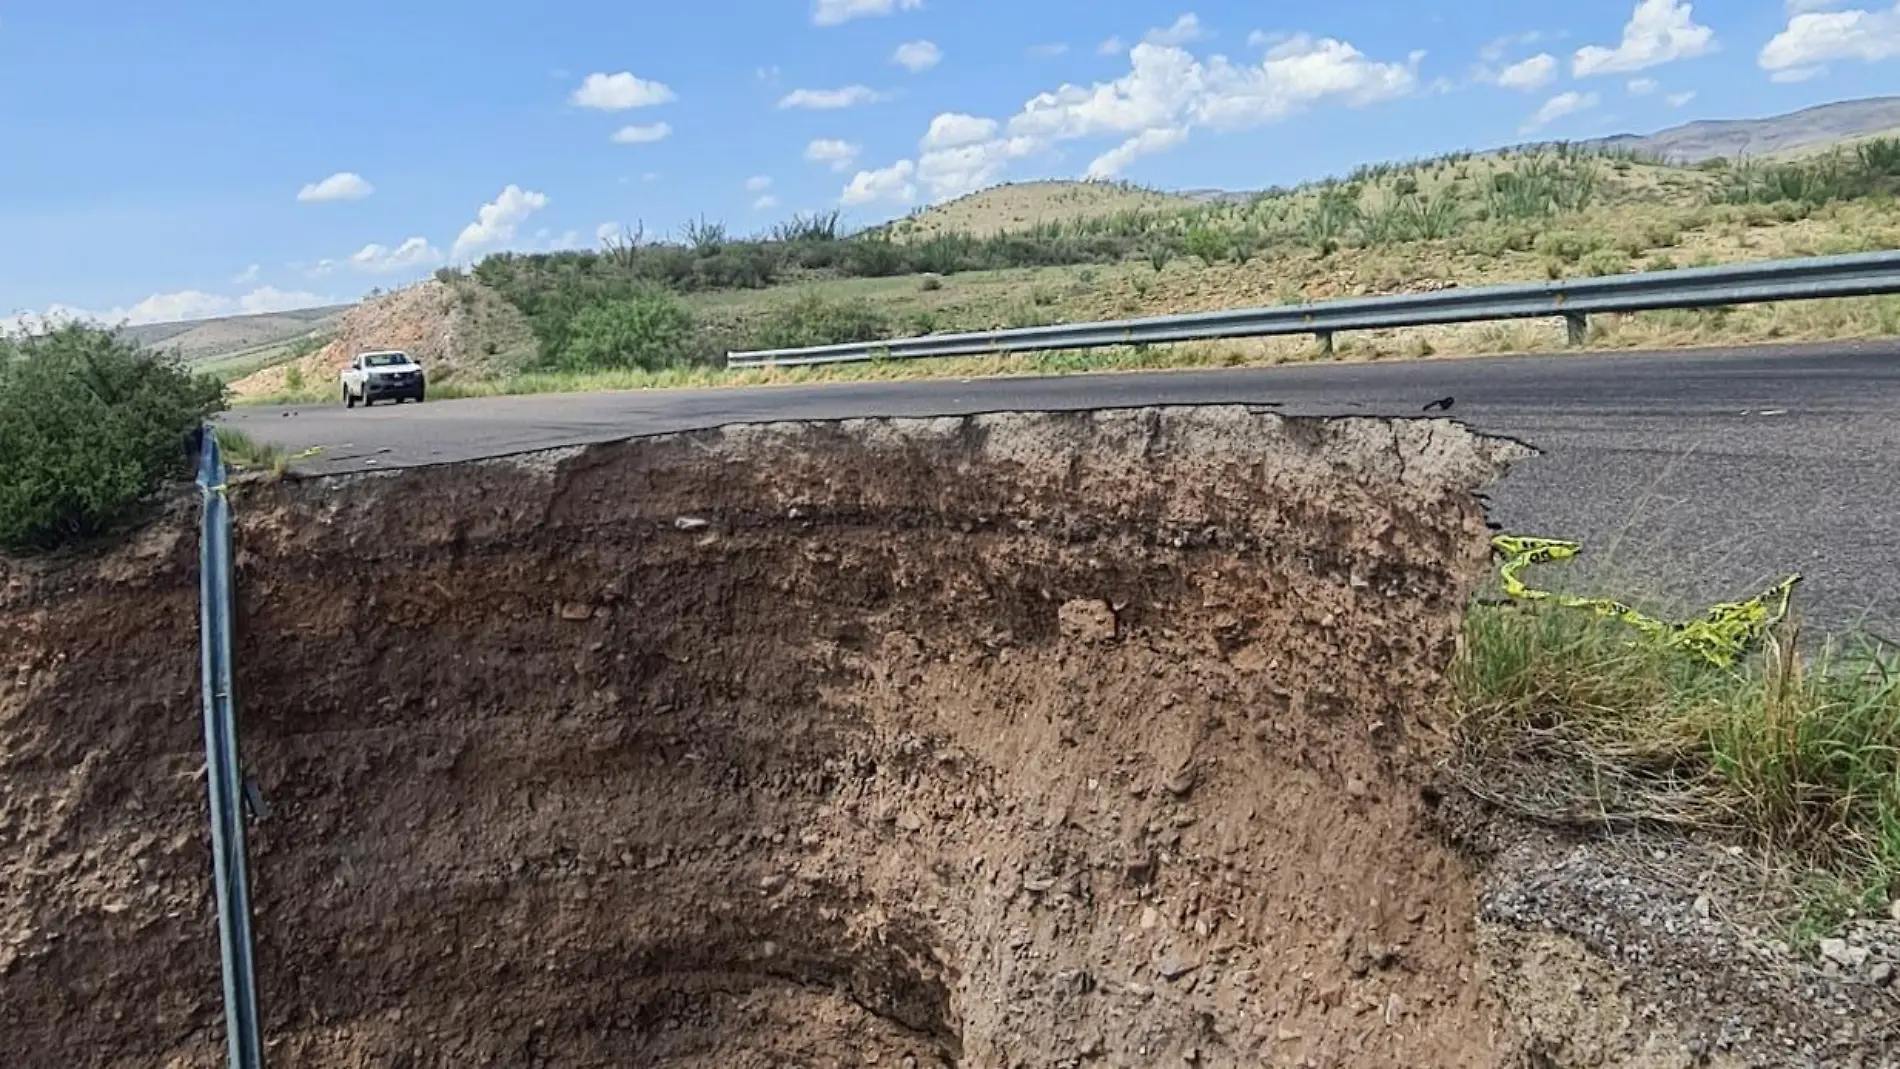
[(385, 360)]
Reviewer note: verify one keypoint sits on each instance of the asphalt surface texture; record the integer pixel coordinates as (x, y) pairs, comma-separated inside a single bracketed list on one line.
[(1691, 477)]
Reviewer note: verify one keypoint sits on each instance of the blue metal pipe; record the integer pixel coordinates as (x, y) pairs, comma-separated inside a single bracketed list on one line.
[(222, 775)]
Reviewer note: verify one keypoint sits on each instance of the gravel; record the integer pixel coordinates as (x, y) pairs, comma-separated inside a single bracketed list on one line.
[(1654, 907)]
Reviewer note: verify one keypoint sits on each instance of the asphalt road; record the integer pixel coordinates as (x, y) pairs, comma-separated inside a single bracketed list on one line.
[(1692, 477)]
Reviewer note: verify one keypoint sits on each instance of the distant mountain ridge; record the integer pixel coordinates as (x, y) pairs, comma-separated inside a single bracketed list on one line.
[(1775, 135)]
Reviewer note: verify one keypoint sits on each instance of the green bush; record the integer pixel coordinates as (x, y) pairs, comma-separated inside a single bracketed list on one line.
[(648, 329), (1207, 243), (91, 426), (812, 320)]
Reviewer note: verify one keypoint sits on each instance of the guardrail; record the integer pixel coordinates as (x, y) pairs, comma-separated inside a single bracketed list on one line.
[(222, 775), (1858, 275)]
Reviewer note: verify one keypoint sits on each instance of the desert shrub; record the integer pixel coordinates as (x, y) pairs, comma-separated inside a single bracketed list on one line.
[(91, 425), (1568, 246), (874, 256), (1606, 262), (810, 320), (745, 266), (647, 329), (1496, 239), (1207, 243)]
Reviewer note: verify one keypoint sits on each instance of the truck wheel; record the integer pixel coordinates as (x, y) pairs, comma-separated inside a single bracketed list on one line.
[(349, 399)]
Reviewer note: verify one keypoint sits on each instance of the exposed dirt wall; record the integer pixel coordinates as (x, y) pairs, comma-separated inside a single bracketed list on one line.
[(1011, 740)]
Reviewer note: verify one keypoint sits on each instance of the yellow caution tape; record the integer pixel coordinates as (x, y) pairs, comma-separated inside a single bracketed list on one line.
[(1719, 636)]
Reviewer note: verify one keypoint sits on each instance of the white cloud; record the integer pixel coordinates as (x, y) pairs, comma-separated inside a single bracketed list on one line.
[(267, 299), (496, 222), (1642, 87), (642, 135), (1658, 32), (620, 92), (1049, 51), (179, 306), (1791, 75), (1114, 46), (1530, 75), (765, 203), (322, 268), (1813, 39), (1167, 87), (758, 183), (916, 56), (381, 260), (954, 129), (1796, 7), (1677, 100), (838, 155), (248, 275), (833, 12), (892, 184), (952, 172), (173, 307), (1115, 160), (344, 185), (1264, 39), (1166, 94), (1185, 31), (1495, 49), (849, 96), (1559, 106), (606, 232)]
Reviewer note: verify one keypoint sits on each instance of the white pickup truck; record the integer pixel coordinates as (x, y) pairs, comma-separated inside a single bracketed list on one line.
[(382, 375)]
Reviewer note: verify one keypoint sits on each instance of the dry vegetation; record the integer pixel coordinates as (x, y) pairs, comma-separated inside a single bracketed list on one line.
[(658, 313), (1580, 722), (1026, 205)]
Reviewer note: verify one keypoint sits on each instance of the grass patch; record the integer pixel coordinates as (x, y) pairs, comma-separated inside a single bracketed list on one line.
[(1571, 719), (245, 453)]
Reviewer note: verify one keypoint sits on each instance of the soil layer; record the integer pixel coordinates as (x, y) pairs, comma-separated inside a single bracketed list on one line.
[(1016, 740)]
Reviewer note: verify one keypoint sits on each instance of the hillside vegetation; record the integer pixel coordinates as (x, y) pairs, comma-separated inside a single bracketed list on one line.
[(462, 331), (1028, 205), (642, 311)]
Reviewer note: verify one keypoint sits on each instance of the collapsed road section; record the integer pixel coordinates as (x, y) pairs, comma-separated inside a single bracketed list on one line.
[(1023, 739)]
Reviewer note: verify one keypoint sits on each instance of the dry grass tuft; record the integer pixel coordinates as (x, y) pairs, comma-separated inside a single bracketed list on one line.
[(1570, 719)]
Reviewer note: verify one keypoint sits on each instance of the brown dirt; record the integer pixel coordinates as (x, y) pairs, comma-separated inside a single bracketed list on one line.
[(1012, 740), (464, 330)]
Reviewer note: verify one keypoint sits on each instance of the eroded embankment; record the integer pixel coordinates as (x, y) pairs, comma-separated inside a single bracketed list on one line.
[(1011, 740)]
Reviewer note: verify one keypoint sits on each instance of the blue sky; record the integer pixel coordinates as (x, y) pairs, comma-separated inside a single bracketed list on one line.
[(206, 157)]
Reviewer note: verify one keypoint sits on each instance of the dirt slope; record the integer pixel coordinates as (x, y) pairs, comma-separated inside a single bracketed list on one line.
[(458, 330), (1016, 740)]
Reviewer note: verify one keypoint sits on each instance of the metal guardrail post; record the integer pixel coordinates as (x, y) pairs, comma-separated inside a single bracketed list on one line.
[(222, 776), (1576, 329)]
